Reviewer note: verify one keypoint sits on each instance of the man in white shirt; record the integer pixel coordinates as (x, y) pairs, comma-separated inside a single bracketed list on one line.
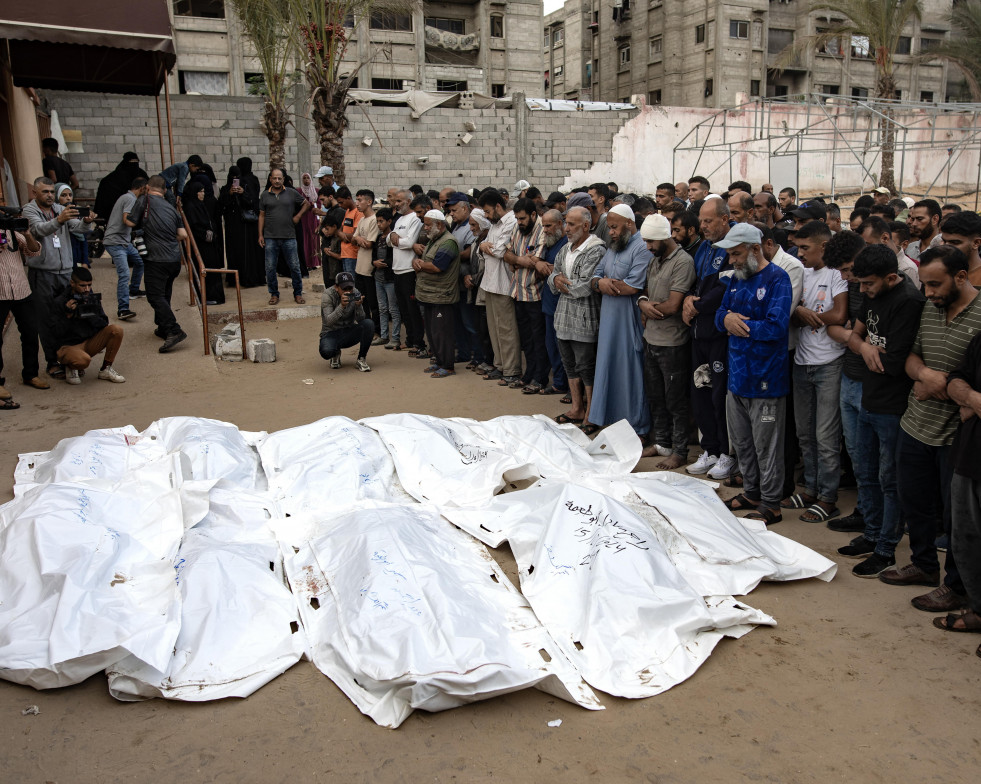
[(401, 239), (817, 376), (496, 285)]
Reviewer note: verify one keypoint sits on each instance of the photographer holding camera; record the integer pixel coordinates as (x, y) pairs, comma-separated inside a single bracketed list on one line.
[(344, 322), (50, 272), (82, 329), (15, 297)]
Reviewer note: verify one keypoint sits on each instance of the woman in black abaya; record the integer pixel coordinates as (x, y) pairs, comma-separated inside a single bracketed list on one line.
[(199, 218), (239, 205)]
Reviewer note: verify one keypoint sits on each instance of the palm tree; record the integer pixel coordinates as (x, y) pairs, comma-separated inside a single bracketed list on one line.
[(266, 27), (321, 31), (964, 48), (875, 25)]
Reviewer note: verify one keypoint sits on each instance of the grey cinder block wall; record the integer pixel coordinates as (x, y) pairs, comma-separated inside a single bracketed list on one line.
[(509, 143)]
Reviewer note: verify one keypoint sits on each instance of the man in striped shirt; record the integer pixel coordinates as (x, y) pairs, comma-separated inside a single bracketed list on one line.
[(949, 320)]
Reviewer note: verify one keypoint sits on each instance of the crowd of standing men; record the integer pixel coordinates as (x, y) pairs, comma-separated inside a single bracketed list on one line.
[(780, 336)]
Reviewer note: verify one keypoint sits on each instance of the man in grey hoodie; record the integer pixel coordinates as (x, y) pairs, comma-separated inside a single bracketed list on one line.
[(51, 271)]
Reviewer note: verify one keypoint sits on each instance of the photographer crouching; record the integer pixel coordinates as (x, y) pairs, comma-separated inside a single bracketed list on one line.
[(344, 322), (83, 330)]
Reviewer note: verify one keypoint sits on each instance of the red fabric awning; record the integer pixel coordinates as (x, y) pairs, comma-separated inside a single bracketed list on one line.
[(111, 46)]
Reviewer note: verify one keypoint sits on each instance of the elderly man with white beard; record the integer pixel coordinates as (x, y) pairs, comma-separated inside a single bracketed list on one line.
[(438, 290), (618, 389), (755, 311)]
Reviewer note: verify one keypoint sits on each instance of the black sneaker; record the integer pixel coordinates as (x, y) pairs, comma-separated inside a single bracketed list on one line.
[(873, 566), (853, 524), (172, 340), (125, 315), (160, 333), (857, 547), (138, 294)]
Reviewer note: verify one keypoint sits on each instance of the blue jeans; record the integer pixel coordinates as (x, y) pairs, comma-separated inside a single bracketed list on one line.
[(388, 308), (273, 249), (874, 460), (925, 475), (817, 389), (80, 251), (559, 379), (348, 265), (850, 401), (127, 283), (465, 319)]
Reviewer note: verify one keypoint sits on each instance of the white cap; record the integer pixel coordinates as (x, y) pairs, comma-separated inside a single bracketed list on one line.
[(880, 189), (655, 227), (910, 201), (436, 215), (712, 196), (623, 211), (521, 185), (323, 171)]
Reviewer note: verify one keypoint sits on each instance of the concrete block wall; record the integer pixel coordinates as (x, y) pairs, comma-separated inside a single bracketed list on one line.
[(222, 129)]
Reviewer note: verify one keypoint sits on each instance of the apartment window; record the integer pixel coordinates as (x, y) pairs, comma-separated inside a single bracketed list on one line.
[(386, 84), (754, 87), (860, 46), (451, 86), (209, 9), (654, 47), (558, 71), (558, 36), (590, 68), (203, 82), (926, 96), (624, 56), (654, 98), (497, 26), (738, 29), (709, 87), (547, 42), (255, 84), (779, 40), (904, 45), (700, 34), (382, 20), (831, 89), (780, 91), (458, 26), (860, 92), (497, 90), (832, 47), (929, 44)]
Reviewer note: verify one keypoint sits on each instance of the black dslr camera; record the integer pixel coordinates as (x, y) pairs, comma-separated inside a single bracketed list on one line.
[(88, 305), (11, 221)]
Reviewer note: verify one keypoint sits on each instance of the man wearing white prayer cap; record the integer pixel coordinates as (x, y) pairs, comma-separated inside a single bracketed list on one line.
[(438, 291), (667, 349), (618, 385)]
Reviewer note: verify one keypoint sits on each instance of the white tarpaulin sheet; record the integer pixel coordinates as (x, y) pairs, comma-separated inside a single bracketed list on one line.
[(162, 556), (404, 612)]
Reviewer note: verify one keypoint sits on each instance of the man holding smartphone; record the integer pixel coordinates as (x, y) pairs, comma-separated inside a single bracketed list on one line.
[(344, 323)]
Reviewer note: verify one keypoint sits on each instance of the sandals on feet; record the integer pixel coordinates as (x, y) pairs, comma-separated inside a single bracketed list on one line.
[(796, 501), (551, 390), (740, 502), (533, 388), (442, 373), (274, 300), (767, 515), (7, 404), (567, 400), (589, 428), (818, 514), (563, 419), (971, 623), (735, 480)]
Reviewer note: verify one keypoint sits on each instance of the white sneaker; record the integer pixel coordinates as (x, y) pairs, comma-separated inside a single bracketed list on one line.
[(72, 376), (703, 464), (723, 467), (335, 363), (363, 365), (110, 374)]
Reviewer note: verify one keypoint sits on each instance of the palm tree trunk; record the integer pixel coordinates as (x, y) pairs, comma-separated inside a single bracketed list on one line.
[(274, 122), (886, 88), (329, 116)]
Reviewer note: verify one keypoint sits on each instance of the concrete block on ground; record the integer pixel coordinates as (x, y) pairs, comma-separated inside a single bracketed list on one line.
[(261, 350), (228, 343)]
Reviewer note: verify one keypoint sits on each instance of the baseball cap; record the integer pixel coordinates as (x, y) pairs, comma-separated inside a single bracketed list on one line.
[(345, 280), (456, 198), (323, 171), (655, 227), (810, 211), (880, 189), (740, 234), (521, 185)]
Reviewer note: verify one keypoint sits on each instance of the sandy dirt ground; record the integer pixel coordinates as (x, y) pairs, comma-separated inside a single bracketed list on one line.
[(852, 685)]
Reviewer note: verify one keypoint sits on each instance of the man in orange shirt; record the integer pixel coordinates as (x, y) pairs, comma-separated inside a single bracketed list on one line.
[(352, 217)]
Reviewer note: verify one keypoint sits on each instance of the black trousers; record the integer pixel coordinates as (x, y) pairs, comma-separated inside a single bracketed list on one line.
[(159, 277), (709, 403), (531, 331), (26, 319), (366, 285), (441, 326), (405, 294)]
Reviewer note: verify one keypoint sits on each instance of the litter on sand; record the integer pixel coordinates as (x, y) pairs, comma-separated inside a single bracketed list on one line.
[(195, 561)]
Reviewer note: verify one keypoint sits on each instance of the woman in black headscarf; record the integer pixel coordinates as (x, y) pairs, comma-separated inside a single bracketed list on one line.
[(239, 203), (248, 178), (117, 182), (205, 234)]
